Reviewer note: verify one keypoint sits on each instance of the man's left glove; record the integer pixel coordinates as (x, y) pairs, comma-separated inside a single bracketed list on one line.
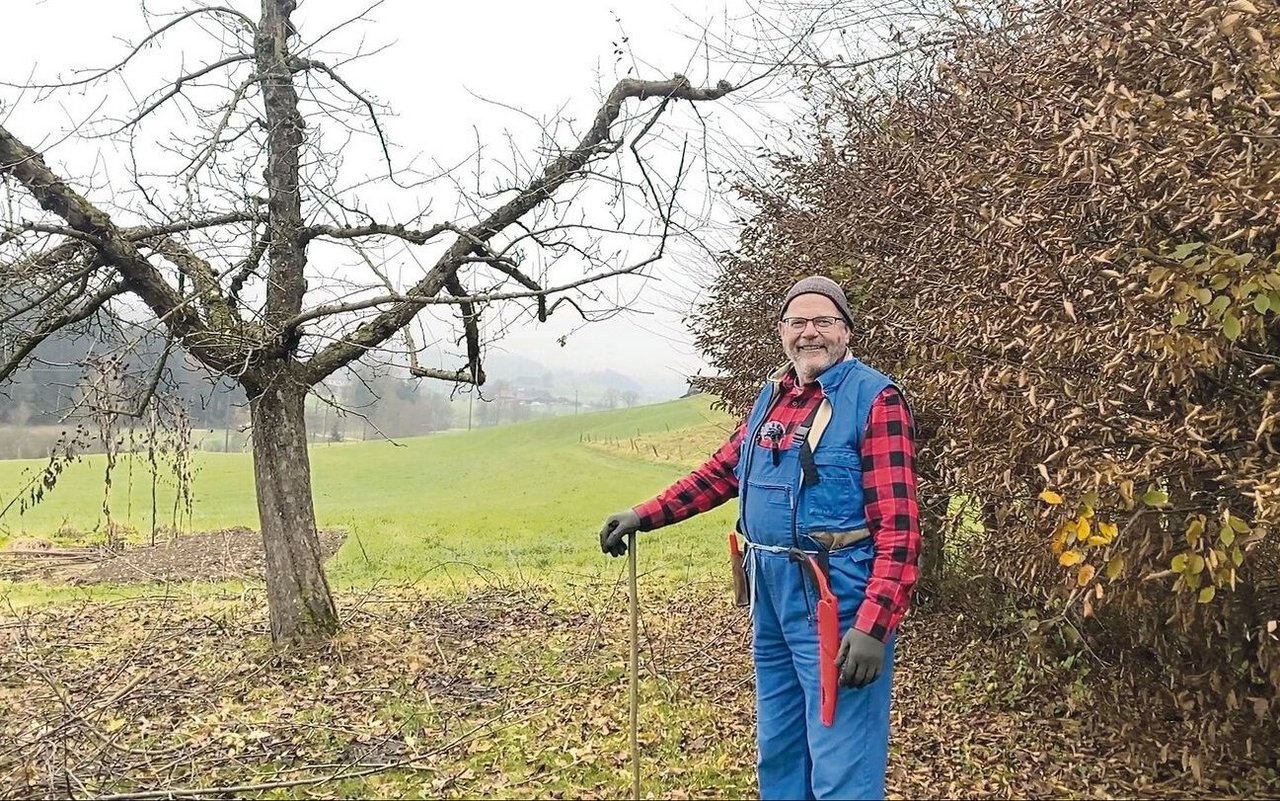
[(613, 535), (860, 659)]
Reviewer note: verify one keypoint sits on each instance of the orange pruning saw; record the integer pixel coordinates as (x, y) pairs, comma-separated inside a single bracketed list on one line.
[(828, 619)]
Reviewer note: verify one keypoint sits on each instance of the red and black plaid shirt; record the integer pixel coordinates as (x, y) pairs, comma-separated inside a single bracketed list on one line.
[(888, 487)]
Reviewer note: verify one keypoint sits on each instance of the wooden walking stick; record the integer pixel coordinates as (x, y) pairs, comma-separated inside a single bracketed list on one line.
[(635, 667)]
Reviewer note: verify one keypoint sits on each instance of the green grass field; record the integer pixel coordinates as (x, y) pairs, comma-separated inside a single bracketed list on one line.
[(525, 500)]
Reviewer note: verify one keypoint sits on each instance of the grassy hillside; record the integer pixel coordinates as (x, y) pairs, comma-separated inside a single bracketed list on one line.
[(526, 498)]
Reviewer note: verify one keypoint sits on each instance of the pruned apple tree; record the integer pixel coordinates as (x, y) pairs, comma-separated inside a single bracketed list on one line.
[(234, 223)]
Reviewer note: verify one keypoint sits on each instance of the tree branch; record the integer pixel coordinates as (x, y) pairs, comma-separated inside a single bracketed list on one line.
[(137, 48), (176, 88), (451, 300), (230, 218), (53, 325), (140, 277), (417, 237), (563, 169), (286, 279), (78, 275), (218, 312), (306, 63)]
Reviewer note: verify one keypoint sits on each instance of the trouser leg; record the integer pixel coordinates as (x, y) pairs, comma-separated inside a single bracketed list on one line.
[(783, 764)]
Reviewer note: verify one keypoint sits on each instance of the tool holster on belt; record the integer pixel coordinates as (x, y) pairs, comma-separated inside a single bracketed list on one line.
[(741, 591), (827, 617)]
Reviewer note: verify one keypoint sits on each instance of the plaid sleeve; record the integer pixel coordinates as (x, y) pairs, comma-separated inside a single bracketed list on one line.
[(889, 489), (702, 490)]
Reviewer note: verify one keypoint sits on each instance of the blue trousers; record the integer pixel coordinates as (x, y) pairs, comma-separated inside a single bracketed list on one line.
[(799, 758)]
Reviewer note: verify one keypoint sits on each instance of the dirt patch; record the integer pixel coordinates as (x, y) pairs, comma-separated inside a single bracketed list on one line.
[(231, 553)]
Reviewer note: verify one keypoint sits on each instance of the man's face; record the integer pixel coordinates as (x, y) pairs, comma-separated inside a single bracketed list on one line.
[(810, 349)]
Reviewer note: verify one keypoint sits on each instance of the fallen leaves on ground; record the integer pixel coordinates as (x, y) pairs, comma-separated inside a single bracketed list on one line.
[(513, 692)]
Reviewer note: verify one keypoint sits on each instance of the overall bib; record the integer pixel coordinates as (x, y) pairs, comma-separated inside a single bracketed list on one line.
[(799, 757)]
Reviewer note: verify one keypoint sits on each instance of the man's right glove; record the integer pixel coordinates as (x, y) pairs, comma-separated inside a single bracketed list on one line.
[(613, 535), (861, 658)]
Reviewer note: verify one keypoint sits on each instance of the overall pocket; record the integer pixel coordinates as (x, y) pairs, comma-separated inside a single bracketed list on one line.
[(850, 572), (766, 511), (835, 502)]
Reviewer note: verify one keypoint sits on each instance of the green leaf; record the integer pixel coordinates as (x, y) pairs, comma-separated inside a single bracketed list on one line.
[(1194, 530), (1179, 563), (1153, 497), (1186, 249), (1237, 556), (1227, 535), (1261, 303), (1206, 595), (1204, 296), (1195, 564), (1231, 327), (1179, 318), (1219, 305)]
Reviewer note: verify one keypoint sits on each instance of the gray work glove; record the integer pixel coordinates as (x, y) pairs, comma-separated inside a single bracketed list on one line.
[(613, 535), (860, 659)]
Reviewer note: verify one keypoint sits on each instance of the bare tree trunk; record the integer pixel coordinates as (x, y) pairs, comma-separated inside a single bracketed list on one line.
[(298, 594)]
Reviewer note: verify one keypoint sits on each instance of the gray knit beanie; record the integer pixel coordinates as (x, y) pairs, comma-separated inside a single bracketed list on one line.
[(817, 285)]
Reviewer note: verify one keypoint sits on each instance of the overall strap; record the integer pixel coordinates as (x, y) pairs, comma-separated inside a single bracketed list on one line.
[(810, 433)]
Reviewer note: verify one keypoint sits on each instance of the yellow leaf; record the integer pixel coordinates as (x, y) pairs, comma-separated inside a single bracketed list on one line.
[(1069, 558), (1114, 567), (1083, 529), (1194, 530), (1179, 563), (1206, 595), (1050, 497), (1096, 540), (1109, 531), (1085, 575), (1060, 539)]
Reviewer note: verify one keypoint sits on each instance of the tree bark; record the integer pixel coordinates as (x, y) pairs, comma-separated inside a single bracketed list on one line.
[(297, 592)]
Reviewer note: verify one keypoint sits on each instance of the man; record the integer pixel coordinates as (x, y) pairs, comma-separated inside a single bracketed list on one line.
[(848, 500)]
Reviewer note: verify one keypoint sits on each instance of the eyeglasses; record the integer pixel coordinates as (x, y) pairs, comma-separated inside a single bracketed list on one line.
[(820, 323)]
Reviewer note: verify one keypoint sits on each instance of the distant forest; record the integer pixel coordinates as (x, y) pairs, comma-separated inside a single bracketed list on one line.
[(47, 396)]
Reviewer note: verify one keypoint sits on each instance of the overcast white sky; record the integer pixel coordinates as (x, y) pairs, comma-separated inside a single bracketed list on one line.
[(547, 58)]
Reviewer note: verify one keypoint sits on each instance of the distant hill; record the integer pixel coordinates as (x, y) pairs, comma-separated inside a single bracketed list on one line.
[(590, 386)]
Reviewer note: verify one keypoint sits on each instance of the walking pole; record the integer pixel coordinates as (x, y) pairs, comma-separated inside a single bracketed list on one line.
[(635, 668)]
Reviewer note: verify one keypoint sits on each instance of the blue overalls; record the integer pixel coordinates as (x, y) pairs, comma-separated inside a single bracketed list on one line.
[(799, 758)]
